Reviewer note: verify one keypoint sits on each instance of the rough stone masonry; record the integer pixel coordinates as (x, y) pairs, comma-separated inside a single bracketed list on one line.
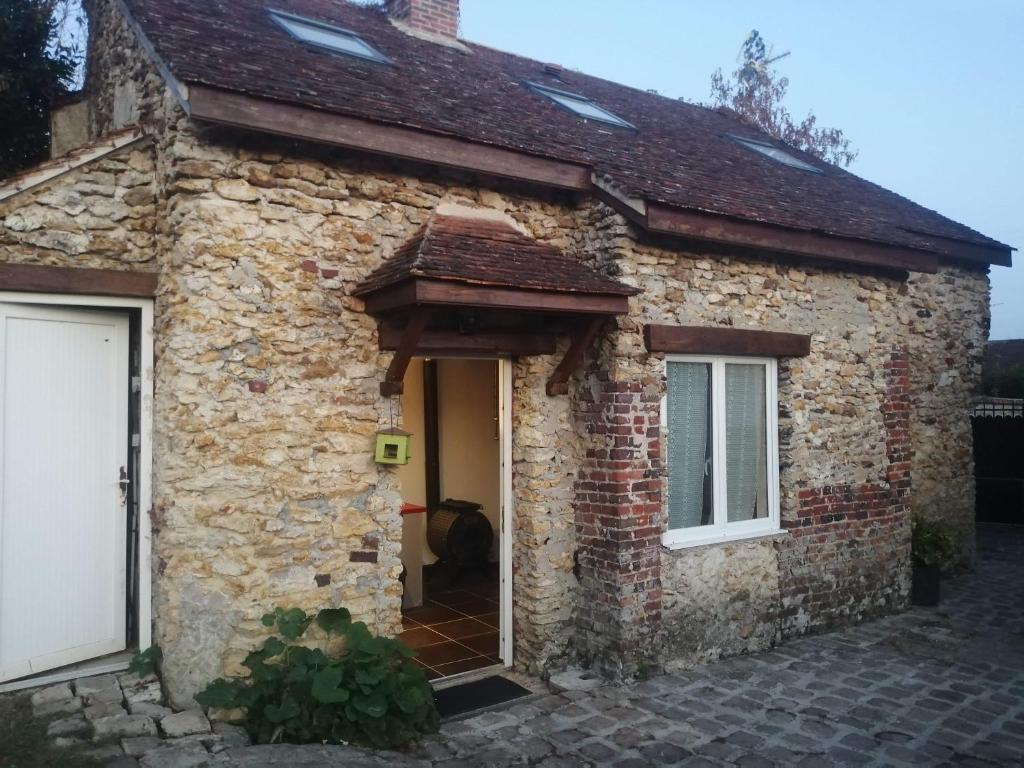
[(266, 402)]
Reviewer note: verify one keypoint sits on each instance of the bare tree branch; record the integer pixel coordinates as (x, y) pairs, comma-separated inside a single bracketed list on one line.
[(756, 92)]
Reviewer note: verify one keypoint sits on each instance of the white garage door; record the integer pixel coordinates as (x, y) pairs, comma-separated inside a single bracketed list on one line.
[(63, 442)]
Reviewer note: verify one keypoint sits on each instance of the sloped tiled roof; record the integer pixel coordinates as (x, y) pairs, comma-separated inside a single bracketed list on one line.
[(51, 169), (487, 252), (678, 155)]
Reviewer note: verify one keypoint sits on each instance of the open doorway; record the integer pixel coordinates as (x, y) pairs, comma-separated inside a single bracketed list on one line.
[(457, 574)]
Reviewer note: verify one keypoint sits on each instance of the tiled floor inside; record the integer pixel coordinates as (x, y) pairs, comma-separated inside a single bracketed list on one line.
[(455, 630)]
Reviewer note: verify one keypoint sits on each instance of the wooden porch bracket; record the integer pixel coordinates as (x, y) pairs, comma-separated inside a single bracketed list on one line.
[(558, 384), (393, 383)]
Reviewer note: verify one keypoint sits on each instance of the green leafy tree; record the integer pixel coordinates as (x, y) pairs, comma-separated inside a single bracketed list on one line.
[(756, 91), (39, 55), (1004, 382)]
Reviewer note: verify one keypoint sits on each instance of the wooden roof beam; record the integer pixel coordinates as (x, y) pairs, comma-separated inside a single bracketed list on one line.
[(449, 293), (242, 111)]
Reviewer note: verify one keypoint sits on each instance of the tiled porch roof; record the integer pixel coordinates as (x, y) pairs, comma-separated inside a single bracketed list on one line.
[(488, 253)]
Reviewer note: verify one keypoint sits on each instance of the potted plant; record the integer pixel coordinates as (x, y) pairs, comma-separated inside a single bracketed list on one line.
[(933, 548)]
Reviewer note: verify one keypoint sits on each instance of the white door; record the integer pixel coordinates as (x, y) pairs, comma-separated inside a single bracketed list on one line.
[(505, 434), (63, 441)]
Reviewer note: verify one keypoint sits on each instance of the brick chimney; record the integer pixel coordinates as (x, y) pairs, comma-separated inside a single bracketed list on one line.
[(432, 17)]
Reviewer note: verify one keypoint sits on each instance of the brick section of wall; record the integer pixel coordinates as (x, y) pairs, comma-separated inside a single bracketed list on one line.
[(438, 16), (619, 523), (848, 553)]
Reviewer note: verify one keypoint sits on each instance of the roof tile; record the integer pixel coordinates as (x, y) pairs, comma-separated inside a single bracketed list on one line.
[(483, 252), (679, 155)]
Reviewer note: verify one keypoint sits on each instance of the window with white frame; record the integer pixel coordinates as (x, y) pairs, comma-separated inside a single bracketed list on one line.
[(720, 417)]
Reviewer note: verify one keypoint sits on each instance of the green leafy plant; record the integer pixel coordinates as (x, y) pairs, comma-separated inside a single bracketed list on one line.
[(145, 663), (370, 693), (934, 543)]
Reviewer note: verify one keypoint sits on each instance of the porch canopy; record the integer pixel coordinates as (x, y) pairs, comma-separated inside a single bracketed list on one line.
[(470, 285)]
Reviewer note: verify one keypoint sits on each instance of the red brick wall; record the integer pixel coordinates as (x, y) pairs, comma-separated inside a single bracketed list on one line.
[(438, 16), (619, 521), (847, 557)]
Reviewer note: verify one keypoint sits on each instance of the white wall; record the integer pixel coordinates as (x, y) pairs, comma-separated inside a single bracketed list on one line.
[(468, 440), (470, 451)]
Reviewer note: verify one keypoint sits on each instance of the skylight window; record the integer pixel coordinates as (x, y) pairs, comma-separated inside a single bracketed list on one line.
[(776, 154), (328, 37), (580, 105)]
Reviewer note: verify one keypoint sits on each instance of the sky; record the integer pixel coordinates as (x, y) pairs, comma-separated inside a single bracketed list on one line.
[(930, 91)]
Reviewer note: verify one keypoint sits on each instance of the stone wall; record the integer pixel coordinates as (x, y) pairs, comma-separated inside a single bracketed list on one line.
[(847, 556), (265, 492), (100, 215), (545, 462), (720, 600), (946, 320), (836, 446), (122, 85), (267, 405)]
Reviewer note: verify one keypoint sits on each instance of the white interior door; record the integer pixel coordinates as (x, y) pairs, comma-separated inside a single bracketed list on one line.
[(63, 441)]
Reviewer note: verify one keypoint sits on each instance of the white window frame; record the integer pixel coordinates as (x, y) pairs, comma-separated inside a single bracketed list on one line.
[(722, 530), (297, 26), (568, 101)]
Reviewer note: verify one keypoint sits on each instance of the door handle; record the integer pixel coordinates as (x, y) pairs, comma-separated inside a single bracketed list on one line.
[(123, 483)]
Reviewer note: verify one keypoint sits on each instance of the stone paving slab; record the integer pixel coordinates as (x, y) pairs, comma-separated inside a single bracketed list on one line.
[(930, 687)]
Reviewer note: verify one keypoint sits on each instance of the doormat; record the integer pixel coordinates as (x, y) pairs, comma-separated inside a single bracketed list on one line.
[(478, 694)]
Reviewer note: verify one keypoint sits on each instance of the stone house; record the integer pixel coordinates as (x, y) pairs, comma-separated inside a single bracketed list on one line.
[(698, 380)]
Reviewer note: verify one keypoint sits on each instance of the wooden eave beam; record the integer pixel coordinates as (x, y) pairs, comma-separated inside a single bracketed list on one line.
[(242, 111), (394, 379), (712, 228), (702, 340), (752, 234), (447, 293), (1001, 256), (582, 340), (453, 343), (37, 278), (239, 110)]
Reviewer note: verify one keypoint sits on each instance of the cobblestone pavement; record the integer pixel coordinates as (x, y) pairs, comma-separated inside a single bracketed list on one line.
[(929, 687)]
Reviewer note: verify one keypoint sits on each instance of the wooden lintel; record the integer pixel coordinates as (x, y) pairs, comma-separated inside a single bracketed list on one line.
[(401, 296), (37, 278), (452, 343), (242, 111), (447, 293), (558, 384), (394, 379), (701, 340)]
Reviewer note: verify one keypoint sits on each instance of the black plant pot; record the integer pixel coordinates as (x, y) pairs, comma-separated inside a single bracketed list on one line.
[(927, 585)]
